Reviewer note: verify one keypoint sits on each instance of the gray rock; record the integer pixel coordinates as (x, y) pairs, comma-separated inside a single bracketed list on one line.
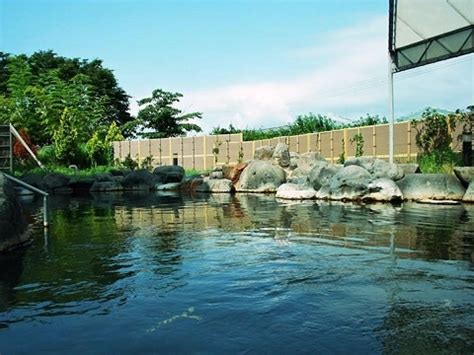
[(431, 186), (213, 185), (78, 183), (139, 180), (216, 175), (295, 192), (281, 155), (261, 176), (294, 157), (378, 168), (171, 186), (465, 174), (14, 229), (34, 180), (306, 162), (53, 181), (169, 173), (410, 168), (383, 189), (104, 177), (264, 153), (106, 186), (321, 174), (469, 195), (349, 183)]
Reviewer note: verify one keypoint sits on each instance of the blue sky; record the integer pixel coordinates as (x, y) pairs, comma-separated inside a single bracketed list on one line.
[(251, 63)]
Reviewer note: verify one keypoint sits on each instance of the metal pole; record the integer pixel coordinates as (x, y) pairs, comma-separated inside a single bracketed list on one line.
[(391, 108), (45, 211)]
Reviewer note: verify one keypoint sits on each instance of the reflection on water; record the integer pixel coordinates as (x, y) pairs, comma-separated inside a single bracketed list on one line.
[(242, 273)]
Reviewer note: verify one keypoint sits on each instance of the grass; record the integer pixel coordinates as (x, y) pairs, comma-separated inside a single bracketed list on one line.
[(83, 173)]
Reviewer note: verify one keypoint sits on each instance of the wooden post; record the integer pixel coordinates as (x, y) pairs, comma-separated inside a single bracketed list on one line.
[(204, 152), (182, 152), (253, 149), (308, 140), (170, 141), (194, 153), (139, 153), (298, 144), (332, 147), (374, 141), (346, 143), (409, 142), (319, 143)]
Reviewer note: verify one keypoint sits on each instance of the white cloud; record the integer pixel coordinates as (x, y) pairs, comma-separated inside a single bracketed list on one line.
[(355, 54), (351, 81)]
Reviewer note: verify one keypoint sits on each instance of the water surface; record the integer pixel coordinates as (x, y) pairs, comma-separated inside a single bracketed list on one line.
[(164, 273)]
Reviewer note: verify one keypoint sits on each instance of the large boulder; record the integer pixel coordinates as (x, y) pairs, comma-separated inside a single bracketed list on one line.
[(214, 185), (378, 168), (261, 176), (14, 230), (294, 158), (431, 187), (295, 192), (349, 183), (264, 153), (383, 189), (139, 180), (53, 181), (306, 162), (170, 186), (233, 173), (321, 174), (410, 168), (169, 173), (469, 195), (191, 183), (465, 174), (106, 186), (79, 183), (281, 155)]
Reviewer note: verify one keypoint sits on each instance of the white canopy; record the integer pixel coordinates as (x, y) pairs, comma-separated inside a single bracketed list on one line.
[(426, 31)]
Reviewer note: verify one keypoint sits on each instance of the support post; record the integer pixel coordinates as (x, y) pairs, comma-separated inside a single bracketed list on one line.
[(391, 109), (45, 211)]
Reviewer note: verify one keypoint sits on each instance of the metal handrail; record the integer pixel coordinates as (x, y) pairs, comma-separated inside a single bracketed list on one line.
[(18, 136), (33, 189)]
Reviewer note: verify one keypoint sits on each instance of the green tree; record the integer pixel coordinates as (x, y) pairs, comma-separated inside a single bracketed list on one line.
[(158, 118)]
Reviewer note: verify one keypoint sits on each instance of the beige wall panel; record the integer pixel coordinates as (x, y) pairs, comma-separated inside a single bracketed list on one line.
[(165, 147), (381, 140), (176, 145), (235, 137), (210, 141), (188, 163), (144, 148), (304, 146), (400, 144), (199, 163), (209, 162), (325, 144), (234, 149), (293, 144), (124, 146), (117, 151), (188, 145), (337, 144), (134, 149), (199, 145), (313, 142), (155, 147), (248, 150)]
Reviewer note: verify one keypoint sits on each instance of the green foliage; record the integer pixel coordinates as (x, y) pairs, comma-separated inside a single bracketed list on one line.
[(342, 156), (147, 163), (433, 132), (129, 163), (358, 139), (434, 140), (158, 118), (303, 124), (438, 162), (86, 172), (19, 72)]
